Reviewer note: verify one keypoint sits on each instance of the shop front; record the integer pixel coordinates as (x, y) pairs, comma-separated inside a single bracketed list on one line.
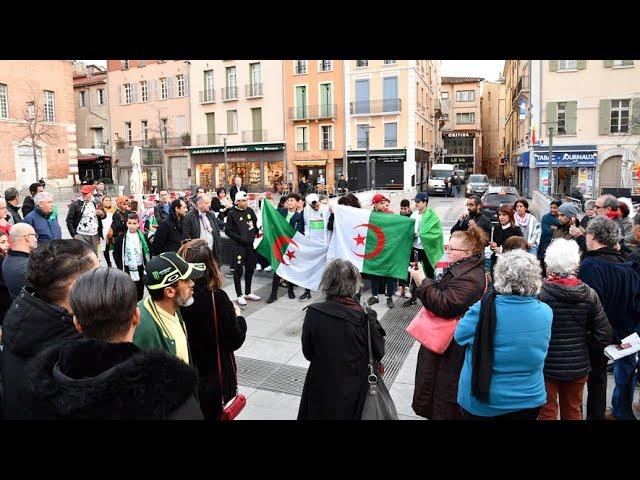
[(523, 176), (422, 170), (460, 150), (94, 167), (315, 171), (259, 165), (387, 169), (573, 166)]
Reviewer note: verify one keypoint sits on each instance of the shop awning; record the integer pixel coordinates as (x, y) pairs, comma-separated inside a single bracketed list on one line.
[(310, 163)]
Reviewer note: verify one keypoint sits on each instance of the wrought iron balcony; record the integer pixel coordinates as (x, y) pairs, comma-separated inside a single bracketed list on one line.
[(230, 93), (156, 142), (208, 139), (250, 136), (376, 107), (326, 145), (390, 142), (207, 96), (300, 147), (253, 90), (313, 112)]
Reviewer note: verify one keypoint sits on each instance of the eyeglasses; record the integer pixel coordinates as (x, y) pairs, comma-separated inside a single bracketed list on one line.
[(29, 234), (449, 249)]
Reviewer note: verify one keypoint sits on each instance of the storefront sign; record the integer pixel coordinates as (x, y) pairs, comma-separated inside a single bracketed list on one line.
[(260, 147), (522, 160), (543, 180), (523, 110), (563, 158), (458, 135)]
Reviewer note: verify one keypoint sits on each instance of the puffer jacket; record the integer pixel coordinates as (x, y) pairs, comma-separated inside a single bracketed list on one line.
[(579, 321)]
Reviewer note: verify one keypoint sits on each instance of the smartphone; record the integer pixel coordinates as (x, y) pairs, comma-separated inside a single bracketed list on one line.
[(414, 261)]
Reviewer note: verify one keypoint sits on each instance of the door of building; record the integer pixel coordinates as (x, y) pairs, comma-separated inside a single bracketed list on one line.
[(357, 175), (611, 173), (180, 179), (25, 167)]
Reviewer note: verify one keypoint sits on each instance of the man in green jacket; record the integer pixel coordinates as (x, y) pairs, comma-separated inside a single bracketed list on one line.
[(169, 280)]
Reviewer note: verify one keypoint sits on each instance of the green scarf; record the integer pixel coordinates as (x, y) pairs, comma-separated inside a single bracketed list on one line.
[(145, 247), (430, 232)]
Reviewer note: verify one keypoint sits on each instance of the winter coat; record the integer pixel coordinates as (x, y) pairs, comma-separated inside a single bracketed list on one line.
[(168, 237), (216, 206), (28, 205), (96, 380), (160, 213), (523, 331), (46, 227), (204, 344), (334, 340), (151, 336), (29, 327), (74, 216), (237, 228), (500, 235), (296, 221), (119, 223), (119, 251), (532, 231), (5, 298), (436, 380), (191, 226), (547, 221), (15, 213), (234, 190), (578, 321), (618, 285), (14, 272), (481, 220)]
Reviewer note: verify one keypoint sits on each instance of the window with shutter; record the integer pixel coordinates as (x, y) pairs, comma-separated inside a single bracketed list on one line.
[(551, 116), (571, 116), (604, 117), (608, 63)]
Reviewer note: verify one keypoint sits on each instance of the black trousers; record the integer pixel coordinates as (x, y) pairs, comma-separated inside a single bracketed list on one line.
[(597, 385), (244, 261), (526, 414), (106, 255), (139, 283)]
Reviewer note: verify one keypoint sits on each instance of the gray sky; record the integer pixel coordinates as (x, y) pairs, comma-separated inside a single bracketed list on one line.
[(487, 69)]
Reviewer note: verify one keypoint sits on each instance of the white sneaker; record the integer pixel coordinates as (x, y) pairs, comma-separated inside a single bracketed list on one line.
[(398, 292), (252, 296), (407, 293), (258, 267), (268, 269), (241, 301)]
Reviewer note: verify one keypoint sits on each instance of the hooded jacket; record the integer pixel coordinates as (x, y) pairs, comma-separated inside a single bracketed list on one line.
[(578, 321), (93, 379), (29, 327)]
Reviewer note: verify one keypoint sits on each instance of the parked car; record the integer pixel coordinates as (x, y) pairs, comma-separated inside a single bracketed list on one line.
[(492, 200), (477, 184)]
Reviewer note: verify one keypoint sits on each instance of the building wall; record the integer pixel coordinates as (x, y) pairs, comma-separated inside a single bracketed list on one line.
[(92, 115), (271, 102), (59, 158), (312, 79), (492, 121)]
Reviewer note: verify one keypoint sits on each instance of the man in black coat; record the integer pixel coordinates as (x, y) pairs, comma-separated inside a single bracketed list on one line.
[(84, 220), (29, 205), (202, 223), (14, 268), (163, 208), (40, 317), (12, 196), (168, 237), (474, 217), (236, 187), (105, 376)]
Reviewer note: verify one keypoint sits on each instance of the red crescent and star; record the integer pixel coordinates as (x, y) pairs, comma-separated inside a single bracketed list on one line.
[(277, 248), (379, 241)]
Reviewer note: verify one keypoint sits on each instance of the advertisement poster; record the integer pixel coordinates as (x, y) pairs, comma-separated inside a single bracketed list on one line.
[(543, 180), (585, 180)]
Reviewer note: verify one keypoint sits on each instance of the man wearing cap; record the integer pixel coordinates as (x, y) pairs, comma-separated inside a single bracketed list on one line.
[(418, 250), (242, 230), (169, 280), (381, 204), (84, 220), (570, 228)]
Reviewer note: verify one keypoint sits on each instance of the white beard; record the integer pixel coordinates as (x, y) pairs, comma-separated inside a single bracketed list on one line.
[(186, 303)]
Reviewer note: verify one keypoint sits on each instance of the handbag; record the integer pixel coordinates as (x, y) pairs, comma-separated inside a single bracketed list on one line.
[(231, 409), (432, 331), (378, 404)]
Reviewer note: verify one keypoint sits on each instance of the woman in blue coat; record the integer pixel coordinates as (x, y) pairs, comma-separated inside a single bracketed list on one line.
[(506, 336)]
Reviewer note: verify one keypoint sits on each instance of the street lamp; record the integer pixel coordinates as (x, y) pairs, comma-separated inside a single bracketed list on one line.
[(369, 179), (550, 174), (224, 147)]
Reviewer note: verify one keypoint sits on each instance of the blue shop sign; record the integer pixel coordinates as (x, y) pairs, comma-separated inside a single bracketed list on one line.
[(573, 158), (523, 160)]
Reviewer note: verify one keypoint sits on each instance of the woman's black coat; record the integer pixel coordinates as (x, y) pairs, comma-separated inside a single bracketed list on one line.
[(334, 340)]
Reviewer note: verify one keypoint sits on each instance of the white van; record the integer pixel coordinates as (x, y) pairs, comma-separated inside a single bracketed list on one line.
[(438, 178)]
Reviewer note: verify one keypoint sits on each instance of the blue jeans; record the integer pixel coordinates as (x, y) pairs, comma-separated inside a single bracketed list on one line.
[(624, 374), (378, 284)]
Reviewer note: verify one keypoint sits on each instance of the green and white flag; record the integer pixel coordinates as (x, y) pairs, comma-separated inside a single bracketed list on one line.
[(292, 256), (377, 243)]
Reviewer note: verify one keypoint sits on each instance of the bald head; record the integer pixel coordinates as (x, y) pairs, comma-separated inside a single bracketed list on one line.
[(23, 237)]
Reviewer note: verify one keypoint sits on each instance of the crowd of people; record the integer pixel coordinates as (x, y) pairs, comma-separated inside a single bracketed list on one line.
[(534, 304)]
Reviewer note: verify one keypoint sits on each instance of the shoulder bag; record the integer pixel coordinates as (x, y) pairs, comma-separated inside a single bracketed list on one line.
[(233, 408), (378, 404)]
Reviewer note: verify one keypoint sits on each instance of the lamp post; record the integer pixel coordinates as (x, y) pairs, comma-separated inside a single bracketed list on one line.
[(369, 176), (550, 175), (224, 150)]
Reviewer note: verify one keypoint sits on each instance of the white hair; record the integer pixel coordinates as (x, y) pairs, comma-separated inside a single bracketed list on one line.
[(562, 256), (517, 273), (42, 197)]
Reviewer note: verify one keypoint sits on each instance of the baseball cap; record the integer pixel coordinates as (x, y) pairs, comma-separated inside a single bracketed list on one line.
[(568, 209), (167, 268), (378, 197), (421, 197), (87, 189), (312, 198), (241, 196)]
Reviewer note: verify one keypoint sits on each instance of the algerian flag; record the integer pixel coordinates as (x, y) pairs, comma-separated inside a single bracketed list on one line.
[(376, 243), (292, 256), (430, 232)]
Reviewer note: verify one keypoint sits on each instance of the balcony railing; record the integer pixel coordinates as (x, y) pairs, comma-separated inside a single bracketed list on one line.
[(230, 93), (302, 146), (387, 105), (207, 96), (362, 144), (208, 139), (253, 90), (156, 142), (326, 145), (313, 112), (523, 86), (362, 63), (390, 142), (301, 68), (250, 136)]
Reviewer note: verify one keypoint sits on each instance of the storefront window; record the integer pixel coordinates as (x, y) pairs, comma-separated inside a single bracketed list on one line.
[(220, 176), (273, 171), (204, 175), (254, 183)]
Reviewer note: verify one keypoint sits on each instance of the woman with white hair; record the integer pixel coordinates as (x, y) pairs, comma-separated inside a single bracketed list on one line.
[(578, 321), (506, 336)]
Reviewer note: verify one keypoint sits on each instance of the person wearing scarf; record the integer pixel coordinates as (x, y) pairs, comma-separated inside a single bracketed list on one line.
[(131, 252), (528, 223), (506, 336), (578, 320)]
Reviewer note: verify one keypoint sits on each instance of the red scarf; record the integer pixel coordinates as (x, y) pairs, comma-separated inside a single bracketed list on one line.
[(570, 281), (613, 215)]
